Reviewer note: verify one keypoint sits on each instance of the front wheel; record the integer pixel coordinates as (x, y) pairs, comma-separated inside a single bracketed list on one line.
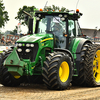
[(6, 78), (57, 71)]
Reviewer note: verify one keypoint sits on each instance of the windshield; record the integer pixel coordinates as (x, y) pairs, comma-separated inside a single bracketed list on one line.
[(54, 25), (48, 24)]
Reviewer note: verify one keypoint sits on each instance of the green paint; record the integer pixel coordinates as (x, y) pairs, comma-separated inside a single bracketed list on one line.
[(73, 46), (19, 67), (15, 71), (14, 64)]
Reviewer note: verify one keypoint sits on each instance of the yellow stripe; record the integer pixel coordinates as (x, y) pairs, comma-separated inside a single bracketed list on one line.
[(46, 39)]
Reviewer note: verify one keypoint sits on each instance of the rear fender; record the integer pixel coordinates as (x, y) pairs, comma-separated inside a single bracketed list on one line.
[(75, 48)]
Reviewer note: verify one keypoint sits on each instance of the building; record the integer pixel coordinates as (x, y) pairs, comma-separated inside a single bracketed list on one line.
[(90, 32)]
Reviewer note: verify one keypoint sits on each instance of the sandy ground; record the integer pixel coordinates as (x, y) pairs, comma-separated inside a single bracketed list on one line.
[(40, 92)]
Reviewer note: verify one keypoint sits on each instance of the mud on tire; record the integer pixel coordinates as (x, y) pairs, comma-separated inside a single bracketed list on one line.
[(57, 71)]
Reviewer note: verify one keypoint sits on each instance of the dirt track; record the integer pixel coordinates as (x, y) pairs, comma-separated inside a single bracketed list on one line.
[(40, 92)]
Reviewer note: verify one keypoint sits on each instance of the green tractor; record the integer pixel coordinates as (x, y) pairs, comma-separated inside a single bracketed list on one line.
[(54, 51)]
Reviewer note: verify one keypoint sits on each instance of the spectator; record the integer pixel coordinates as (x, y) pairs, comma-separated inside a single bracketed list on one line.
[(3, 40)]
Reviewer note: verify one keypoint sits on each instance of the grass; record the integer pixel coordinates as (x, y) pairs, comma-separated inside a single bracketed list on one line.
[(1, 51)]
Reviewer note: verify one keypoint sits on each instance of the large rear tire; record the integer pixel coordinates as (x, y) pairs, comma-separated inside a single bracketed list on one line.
[(57, 71), (89, 71), (83, 66), (93, 76), (6, 78)]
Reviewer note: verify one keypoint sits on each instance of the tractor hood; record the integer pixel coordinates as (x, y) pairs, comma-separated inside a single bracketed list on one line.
[(34, 38)]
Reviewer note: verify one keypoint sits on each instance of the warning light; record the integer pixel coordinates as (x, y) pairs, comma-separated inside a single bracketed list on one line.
[(65, 35), (77, 10), (41, 10)]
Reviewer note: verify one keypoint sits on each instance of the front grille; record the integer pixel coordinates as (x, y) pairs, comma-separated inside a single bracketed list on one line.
[(28, 55)]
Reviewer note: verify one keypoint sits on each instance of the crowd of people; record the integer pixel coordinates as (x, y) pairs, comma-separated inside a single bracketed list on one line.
[(5, 42)]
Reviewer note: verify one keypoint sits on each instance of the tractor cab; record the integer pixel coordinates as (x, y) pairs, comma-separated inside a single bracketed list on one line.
[(64, 26)]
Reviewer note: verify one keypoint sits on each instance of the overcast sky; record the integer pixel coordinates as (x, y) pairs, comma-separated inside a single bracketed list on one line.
[(89, 8)]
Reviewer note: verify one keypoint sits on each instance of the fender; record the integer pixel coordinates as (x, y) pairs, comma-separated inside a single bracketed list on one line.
[(80, 45), (75, 48), (78, 51), (82, 42)]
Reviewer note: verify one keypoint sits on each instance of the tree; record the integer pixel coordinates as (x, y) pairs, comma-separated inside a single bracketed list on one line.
[(14, 32), (3, 15), (55, 8), (21, 16)]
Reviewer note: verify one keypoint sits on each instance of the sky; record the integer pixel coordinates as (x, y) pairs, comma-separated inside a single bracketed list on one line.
[(89, 8)]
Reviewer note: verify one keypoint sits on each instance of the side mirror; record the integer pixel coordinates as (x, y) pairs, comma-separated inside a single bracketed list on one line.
[(30, 26)]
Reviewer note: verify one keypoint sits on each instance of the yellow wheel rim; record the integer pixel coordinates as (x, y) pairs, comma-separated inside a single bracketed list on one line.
[(16, 77), (96, 66), (64, 71)]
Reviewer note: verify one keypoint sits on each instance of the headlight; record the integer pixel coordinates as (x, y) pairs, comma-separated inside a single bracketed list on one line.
[(27, 45), (19, 50), (27, 50), (65, 16), (32, 45), (39, 15), (19, 44)]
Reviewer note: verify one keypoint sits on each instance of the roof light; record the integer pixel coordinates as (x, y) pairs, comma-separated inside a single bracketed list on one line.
[(39, 15), (77, 10), (37, 18), (65, 16), (41, 9), (62, 18), (60, 15)]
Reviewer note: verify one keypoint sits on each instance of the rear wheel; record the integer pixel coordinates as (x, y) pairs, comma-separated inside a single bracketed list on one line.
[(57, 71), (93, 77), (6, 78), (83, 66), (89, 69)]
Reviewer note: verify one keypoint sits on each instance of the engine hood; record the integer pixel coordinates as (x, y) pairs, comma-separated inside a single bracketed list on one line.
[(34, 38)]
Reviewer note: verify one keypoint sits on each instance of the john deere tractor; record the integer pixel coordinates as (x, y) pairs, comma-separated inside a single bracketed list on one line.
[(55, 51)]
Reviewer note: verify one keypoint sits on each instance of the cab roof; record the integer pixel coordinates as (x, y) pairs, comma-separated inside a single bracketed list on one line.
[(68, 15)]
